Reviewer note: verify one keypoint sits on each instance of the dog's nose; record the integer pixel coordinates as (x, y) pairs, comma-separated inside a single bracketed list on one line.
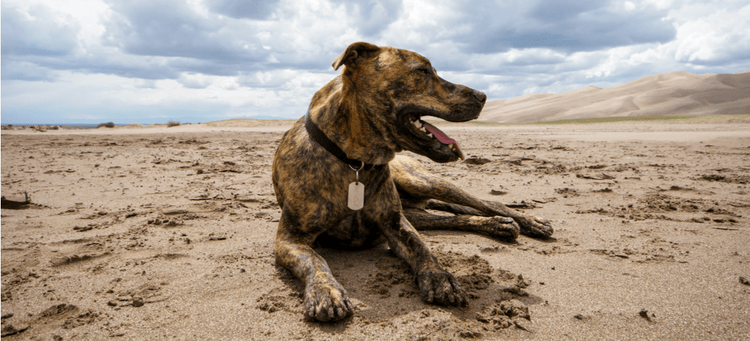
[(480, 96)]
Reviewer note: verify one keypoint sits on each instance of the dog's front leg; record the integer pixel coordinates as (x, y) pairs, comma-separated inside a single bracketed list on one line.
[(325, 299), (436, 285)]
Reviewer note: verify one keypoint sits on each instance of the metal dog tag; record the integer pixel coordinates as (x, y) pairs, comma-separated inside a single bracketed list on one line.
[(356, 195)]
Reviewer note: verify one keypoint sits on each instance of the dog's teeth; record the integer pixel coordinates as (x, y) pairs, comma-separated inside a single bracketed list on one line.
[(417, 124), (422, 129), (429, 135)]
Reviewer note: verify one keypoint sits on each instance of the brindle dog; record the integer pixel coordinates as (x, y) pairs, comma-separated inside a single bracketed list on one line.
[(355, 126)]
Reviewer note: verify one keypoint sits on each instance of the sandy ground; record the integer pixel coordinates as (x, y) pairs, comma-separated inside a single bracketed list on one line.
[(166, 233)]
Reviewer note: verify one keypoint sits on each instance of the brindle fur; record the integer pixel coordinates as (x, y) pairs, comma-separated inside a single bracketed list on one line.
[(367, 111)]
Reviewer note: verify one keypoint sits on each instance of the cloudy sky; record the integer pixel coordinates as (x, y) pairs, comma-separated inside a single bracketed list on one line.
[(150, 61)]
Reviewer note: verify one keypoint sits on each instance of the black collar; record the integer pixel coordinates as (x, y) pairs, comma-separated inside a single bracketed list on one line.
[(320, 137)]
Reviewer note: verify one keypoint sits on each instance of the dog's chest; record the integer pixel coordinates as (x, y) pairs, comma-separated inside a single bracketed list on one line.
[(360, 229)]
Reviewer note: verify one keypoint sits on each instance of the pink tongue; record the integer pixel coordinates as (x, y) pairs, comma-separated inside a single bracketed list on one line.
[(444, 139)]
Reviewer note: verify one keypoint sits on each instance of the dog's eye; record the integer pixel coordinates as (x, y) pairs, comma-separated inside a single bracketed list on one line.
[(425, 71)]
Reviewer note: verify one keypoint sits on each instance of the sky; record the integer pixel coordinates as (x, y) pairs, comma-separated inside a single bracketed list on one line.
[(155, 61)]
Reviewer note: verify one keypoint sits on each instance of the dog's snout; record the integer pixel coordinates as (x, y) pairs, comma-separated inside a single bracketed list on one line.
[(480, 96)]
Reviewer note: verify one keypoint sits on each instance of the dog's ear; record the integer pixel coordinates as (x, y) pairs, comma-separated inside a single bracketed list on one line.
[(353, 53)]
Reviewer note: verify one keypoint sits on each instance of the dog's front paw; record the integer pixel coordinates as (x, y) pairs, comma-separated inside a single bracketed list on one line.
[(326, 302), (439, 286), (535, 226), (502, 227)]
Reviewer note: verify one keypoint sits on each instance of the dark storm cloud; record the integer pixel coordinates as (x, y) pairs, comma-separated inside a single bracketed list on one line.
[(251, 39), (566, 26), (372, 17), (14, 69), (143, 39), (162, 39), (174, 29), (243, 9), (39, 33), (213, 45)]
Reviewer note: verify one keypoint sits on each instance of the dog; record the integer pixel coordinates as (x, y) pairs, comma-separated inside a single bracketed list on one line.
[(339, 182)]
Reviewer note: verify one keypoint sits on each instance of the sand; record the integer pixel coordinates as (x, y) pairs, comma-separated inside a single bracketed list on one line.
[(166, 233)]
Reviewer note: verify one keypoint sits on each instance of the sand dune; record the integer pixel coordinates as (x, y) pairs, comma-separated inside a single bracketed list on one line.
[(674, 94)]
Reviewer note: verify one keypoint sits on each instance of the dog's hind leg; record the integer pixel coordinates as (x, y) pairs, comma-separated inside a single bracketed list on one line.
[(495, 226), (438, 205), (412, 178), (496, 209)]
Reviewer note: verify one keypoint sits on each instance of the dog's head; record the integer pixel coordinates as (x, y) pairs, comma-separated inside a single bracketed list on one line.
[(405, 87)]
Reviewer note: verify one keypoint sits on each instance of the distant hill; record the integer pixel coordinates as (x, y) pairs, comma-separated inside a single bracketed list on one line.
[(671, 94)]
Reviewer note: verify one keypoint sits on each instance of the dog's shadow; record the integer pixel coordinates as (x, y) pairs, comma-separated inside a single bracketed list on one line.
[(382, 286)]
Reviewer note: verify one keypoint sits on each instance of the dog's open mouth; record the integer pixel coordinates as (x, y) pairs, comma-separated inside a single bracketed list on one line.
[(432, 132)]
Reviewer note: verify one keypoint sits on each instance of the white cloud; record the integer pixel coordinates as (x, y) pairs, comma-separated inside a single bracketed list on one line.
[(194, 81), (719, 37)]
